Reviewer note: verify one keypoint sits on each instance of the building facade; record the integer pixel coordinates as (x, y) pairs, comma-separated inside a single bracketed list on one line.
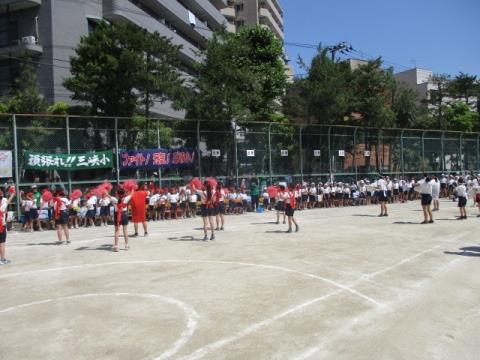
[(47, 31), (268, 13)]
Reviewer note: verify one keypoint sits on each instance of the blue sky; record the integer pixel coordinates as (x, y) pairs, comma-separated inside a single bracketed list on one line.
[(440, 35)]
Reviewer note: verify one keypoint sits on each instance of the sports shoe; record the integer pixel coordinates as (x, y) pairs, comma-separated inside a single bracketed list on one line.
[(5, 262), (212, 237), (288, 231), (297, 228), (205, 238), (135, 235), (222, 228), (146, 234), (431, 221)]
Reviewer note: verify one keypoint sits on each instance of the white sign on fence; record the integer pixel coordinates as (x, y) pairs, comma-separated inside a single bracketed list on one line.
[(367, 153), (341, 153), (283, 152), (5, 164), (216, 152), (251, 153), (316, 153)]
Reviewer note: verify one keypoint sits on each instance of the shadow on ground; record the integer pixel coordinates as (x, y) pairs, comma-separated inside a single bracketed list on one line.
[(104, 247), (471, 251), (185, 238)]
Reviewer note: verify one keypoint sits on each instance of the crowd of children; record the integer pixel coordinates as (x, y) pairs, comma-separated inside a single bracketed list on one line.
[(212, 201)]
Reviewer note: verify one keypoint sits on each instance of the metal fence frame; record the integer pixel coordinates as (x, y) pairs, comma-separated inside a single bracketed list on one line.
[(408, 142)]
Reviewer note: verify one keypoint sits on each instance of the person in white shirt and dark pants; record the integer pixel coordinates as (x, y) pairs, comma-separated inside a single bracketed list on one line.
[(461, 192), (424, 187)]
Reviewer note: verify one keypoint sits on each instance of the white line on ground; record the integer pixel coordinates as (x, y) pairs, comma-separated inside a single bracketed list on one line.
[(185, 336), (264, 266), (313, 350)]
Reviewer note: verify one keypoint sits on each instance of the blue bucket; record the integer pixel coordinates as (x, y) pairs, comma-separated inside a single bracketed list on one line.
[(260, 209)]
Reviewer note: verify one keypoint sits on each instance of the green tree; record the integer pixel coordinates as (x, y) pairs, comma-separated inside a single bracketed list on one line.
[(118, 68), (59, 108), (459, 117), (372, 94), (405, 106), (25, 97), (328, 90), (436, 98), (241, 77), (463, 86)]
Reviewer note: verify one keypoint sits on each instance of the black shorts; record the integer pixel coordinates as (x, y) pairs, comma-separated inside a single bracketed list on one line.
[(90, 214), (339, 196), (33, 214), (151, 207), (289, 211), (193, 206), (382, 196), (395, 192), (280, 206), (462, 201), (346, 196), (62, 219), (26, 216), (220, 209), (183, 205), (3, 236), (426, 199), (389, 193), (173, 206), (443, 186), (123, 219), (312, 198), (304, 198), (105, 211), (272, 201), (72, 212), (207, 211)]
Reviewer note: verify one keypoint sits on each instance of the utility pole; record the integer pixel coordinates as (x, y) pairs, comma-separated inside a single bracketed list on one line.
[(341, 47)]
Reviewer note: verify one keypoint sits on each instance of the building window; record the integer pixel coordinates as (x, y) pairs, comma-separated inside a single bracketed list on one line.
[(239, 7), (92, 25), (240, 23)]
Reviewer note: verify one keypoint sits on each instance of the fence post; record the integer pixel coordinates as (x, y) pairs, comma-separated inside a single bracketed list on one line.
[(402, 160), (460, 159), (270, 171), (67, 128), (377, 152), (329, 152), (235, 152), (355, 153), (199, 153), (423, 151), (17, 174), (159, 145), (442, 160), (300, 146), (117, 152), (478, 154)]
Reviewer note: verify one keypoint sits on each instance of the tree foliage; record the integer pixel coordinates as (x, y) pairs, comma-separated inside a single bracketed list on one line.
[(25, 97), (118, 68), (240, 78), (333, 93)]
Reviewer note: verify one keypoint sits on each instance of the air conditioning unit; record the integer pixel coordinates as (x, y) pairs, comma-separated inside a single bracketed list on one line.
[(29, 40)]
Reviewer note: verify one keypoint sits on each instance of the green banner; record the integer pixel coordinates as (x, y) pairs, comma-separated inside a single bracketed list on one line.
[(93, 160)]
